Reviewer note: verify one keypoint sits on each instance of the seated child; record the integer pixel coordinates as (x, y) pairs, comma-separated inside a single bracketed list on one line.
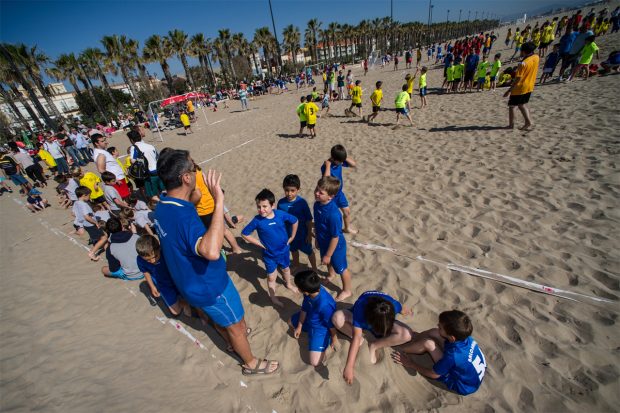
[(328, 233), (112, 197), (373, 311), (121, 253), (92, 182), (34, 202), (458, 361), (85, 218), (270, 224), (315, 316), (295, 205), (101, 214), (151, 262)]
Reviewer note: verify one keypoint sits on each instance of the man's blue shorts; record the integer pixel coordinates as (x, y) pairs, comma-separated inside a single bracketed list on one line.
[(341, 200), (273, 262), (227, 309), (318, 338), (339, 258), (18, 179)]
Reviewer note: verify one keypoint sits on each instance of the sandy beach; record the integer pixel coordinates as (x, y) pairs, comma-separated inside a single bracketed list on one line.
[(541, 206)]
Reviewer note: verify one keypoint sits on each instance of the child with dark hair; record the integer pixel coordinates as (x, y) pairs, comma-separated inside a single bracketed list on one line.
[(458, 361), (297, 206), (328, 232), (587, 53), (376, 98), (85, 218), (112, 197), (273, 239), (373, 311), (311, 111), (315, 316), (301, 114), (121, 253), (333, 167)]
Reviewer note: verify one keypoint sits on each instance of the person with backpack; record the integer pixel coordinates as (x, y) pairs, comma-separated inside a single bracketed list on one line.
[(144, 163)]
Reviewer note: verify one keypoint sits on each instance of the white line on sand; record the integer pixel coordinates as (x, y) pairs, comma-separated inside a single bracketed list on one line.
[(217, 121), (225, 152)]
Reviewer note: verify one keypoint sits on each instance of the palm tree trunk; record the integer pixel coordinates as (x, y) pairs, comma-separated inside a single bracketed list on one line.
[(106, 86), (9, 100), (213, 79), (187, 73), (166, 69), (258, 68), (26, 106), (130, 85), (230, 62), (50, 103), (203, 67)]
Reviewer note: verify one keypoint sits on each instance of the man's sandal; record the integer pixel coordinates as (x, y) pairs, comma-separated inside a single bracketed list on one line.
[(246, 371)]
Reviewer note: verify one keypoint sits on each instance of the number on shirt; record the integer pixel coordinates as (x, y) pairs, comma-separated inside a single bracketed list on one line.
[(480, 366), (311, 111)]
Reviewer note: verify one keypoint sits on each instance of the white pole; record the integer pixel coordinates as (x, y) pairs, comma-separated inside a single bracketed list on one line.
[(161, 138)]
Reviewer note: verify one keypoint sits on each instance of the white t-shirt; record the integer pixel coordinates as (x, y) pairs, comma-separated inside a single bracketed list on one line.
[(110, 163), (54, 149), (150, 153), (72, 185), (80, 210)]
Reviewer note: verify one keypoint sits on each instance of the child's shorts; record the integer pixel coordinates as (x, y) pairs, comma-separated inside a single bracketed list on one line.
[(423, 91), (493, 78), (548, 70), (227, 309), (339, 258), (273, 262), (302, 124), (18, 179), (325, 105), (169, 293), (375, 109), (301, 245), (94, 233), (357, 105), (341, 200), (311, 125), (2, 179), (318, 338), (404, 111), (481, 80)]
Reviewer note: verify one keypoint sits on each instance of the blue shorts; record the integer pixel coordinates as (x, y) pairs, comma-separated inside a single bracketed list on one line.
[(273, 262), (318, 337), (404, 111), (168, 293), (18, 179), (481, 80), (227, 309), (423, 91), (339, 258), (301, 245), (341, 200), (493, 78)]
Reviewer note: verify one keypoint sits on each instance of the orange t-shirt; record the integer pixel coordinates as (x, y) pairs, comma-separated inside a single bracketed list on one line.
[(526, 75), (206, 205)]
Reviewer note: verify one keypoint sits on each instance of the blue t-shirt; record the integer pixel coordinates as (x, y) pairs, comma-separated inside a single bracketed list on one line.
[(180, 229), (448, 59), (566, 42), (359, 319), (319, 310), (299, 209), (328, 224), (552, 60), (462, 366), (159, 272), (471, 63), (271, 232), (335, 171)]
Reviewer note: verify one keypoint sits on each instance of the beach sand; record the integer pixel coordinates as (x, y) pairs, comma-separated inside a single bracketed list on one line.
[(456, 188)]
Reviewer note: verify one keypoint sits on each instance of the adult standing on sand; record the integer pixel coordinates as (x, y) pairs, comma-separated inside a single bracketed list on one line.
[(194, 258), (523, 86)]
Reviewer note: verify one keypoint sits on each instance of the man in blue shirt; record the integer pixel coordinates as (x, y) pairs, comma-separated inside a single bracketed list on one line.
[(471, 63), (194, 256), (572, 47), (459, 362)]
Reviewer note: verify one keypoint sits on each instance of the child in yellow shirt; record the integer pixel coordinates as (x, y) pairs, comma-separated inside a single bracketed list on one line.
[(376, 98), (311, 110), (356, 98)]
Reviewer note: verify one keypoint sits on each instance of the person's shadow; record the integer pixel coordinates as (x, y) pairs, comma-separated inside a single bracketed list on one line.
[(289, 135), (466, 128)]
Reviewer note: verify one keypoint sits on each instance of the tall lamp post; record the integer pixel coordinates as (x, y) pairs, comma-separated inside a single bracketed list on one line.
[(460, 11), (275, 35)]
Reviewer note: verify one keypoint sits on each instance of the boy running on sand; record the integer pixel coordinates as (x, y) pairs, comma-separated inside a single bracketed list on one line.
[(403, 105), (376, 98), (356, 98)]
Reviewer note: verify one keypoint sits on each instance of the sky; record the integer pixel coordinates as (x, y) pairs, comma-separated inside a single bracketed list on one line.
[(71, 26)]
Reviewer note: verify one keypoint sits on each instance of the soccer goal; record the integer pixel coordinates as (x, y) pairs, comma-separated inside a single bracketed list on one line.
[(374, 59)]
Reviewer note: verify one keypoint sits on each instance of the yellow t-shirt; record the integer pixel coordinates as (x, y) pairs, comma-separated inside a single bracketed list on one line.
[(206, 205), (422, 80), (301, 109), (410, 84), (401, 99), (356, 94), (47, 158), (190, 106), (185, 119), (526, 75), (311, 110), (376, 97), (92, 182), (519, 41)]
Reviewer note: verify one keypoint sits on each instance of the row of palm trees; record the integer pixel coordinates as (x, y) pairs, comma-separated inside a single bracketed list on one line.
[(23, 66)]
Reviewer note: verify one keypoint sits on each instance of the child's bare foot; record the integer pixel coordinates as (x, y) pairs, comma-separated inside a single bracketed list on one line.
[(350, 230), (93, 257), (373, 353), (292, 288), (526, 128), (343, 295)]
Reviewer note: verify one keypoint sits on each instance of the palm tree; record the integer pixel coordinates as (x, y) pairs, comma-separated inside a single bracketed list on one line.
[(11, 57), (242, 46), (226, 41), (116, 48), (314, 26), (6, 77), (253, 49), (292, 38), (85, 73), (158, 49), (31, 60), (332, 31), (94, 59), (10, 78), (178, 41), (197, 48), (136, 61)]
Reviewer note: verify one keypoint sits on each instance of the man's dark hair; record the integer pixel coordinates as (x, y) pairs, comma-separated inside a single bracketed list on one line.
[(80, 191), (96, 138), (108, 177), (171, 166), (456, 323), (113, 225), (380, 315), (134, 136), (291, 180), (266, 195), (307, 281), (339, 153)]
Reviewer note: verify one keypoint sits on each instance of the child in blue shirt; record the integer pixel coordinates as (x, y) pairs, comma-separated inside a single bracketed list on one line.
[(270, 224), (295, 205), (152, 264), (550, 63), (315, 317), (376, 312), (459, 362), (333, 167), (328, 233)]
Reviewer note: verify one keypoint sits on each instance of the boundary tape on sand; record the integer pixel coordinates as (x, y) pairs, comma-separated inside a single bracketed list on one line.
[(506, 279)]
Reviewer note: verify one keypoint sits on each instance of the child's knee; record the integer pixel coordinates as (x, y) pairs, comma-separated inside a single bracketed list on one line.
[(338, 318), (430, 345)]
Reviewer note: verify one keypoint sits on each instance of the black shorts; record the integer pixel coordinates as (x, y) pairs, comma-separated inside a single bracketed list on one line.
[(187, 127), (456, 80), (94, 233), (206, 220), (302, 124), (543, 45), (376, 109), (98, 200), (516, 100), (469, 75), (311, 126), (357, 105)]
